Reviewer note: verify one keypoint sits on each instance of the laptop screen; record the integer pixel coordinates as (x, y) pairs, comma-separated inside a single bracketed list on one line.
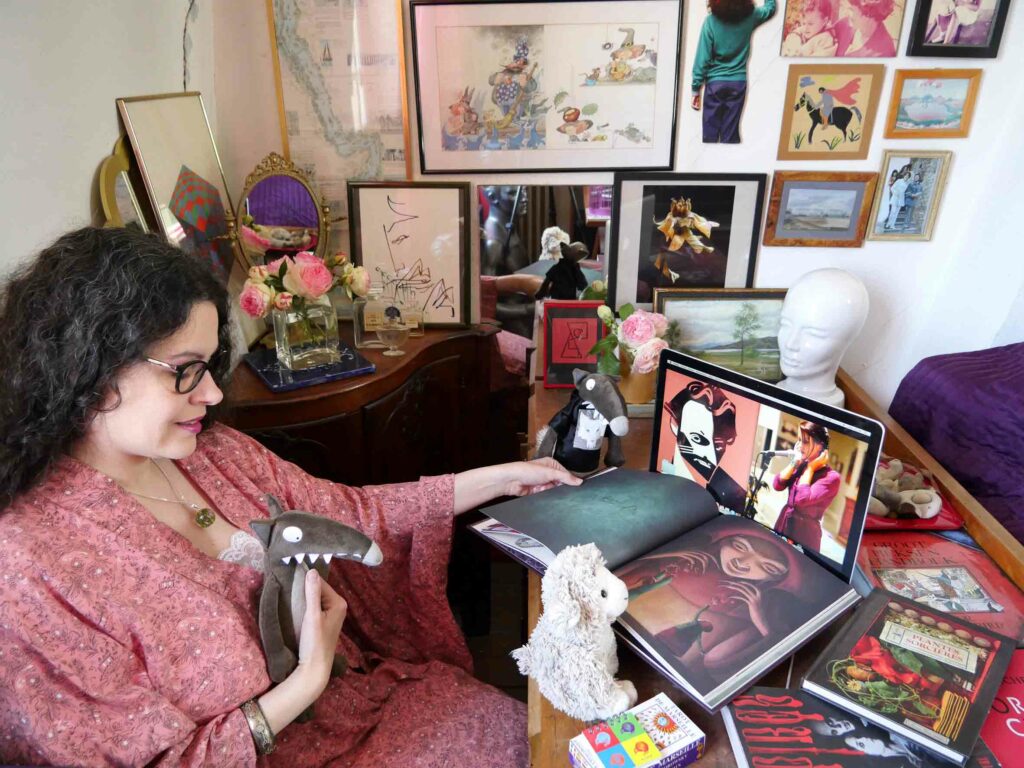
[(796, 466)]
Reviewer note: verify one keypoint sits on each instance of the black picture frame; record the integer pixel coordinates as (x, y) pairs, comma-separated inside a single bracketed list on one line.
[(917, 45), (626, 265), (461, 305), (558, 375)]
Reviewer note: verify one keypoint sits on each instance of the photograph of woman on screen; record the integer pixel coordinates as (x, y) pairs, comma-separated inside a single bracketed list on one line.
[(811, 484)]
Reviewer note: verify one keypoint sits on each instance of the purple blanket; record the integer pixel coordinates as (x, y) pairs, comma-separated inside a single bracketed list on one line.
[(967, 410)]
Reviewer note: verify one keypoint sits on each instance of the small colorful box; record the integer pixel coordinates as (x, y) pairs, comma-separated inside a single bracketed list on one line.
[(654, 734)]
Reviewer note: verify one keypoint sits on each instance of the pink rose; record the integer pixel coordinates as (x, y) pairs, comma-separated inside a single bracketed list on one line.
[(308, 277), (283, 301), (645, 359), (259, 273), (660, 323), (359, 281), (637, 329), (305, 257), (256, 299), (275, 266)]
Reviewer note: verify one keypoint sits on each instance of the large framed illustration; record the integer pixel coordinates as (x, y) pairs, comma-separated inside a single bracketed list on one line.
[(545, 86), (413, 238), (682, 230)]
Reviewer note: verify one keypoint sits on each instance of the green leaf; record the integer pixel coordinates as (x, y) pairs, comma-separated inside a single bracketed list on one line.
[(626, 310), (589, 109), (608, 365), (605, 346), (560, 97)]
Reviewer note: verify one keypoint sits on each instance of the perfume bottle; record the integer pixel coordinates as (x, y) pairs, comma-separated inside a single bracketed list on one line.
[(367, 318)]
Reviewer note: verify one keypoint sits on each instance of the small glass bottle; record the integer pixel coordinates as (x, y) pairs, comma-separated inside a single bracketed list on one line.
[(367, 316)]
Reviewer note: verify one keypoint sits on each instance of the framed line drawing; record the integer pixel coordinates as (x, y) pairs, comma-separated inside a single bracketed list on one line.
[(506, 87), (682, 230), (571, 329), (909, 192), (932, 103), (413, 238), (958, 28), (818, 208)]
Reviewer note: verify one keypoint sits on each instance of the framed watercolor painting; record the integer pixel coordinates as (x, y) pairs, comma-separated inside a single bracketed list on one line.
[(545, 86), (413, 238), (682, 230), (859, 29), (816, 208), (735, 329), (958, 28), (932, 103), (571, 329), (829, 111), (908, 195)]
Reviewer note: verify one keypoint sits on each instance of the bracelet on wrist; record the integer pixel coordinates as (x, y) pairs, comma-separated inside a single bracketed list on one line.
[(262, 735)]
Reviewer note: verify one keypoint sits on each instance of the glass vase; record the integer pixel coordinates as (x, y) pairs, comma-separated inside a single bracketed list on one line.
[(307, 335), (367, 316)]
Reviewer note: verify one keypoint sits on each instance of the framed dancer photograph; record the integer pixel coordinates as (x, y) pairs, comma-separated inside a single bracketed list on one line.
[(571, 329)]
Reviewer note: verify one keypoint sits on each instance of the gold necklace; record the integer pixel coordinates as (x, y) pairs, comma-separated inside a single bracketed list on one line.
[(204, 516)]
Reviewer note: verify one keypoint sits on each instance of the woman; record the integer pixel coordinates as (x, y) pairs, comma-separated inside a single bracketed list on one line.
[(812, 485), (128, 599), (863, 33)]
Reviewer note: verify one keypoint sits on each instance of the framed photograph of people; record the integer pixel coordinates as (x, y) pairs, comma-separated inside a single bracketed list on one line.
[(736, 329), (545, 86), (413, 238), (859, 29), (571, 329), (682, 230), (908, 195), (969, 29), (829, 111), (821, 209), (932, 103)]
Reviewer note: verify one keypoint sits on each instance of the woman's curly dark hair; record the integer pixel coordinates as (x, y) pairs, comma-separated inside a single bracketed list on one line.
[(74, 318), (731, 11)]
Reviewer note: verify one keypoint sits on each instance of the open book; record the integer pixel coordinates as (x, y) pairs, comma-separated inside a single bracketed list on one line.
[(715, 600)]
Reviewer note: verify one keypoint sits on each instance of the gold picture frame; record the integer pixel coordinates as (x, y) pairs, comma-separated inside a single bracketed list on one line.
[(796, 218), (908, 225), (893, 129)]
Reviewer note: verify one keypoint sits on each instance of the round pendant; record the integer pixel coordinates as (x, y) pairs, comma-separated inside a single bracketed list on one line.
[(205, 517)]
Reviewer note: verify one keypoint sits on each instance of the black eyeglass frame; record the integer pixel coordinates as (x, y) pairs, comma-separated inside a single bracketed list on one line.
[(180, 371)]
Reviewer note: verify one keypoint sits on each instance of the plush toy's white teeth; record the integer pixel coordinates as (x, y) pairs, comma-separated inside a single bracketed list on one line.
[(286, 560), (312, 557), (327, 558), (300, 557)]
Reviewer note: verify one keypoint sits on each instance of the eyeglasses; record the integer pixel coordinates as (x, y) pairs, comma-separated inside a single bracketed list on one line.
[(187, 375)]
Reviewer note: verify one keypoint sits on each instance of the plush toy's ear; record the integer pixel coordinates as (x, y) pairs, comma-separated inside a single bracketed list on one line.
[(274, 506), (578, 375), (263, 529)]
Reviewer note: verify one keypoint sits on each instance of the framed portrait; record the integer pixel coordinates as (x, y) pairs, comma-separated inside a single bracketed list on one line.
[(908, 195), (545, 86), (821, 209), (571, 329), (735, 329), (413, 238), (682, 230), (829, 111), (969, 29), (932, 103), (859, 29)]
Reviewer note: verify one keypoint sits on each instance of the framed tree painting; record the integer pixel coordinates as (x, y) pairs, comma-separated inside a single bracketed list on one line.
[(737, 329), (932, 103), (545, 86), (907, 200), (571, 329), (829, 111), (958, 28), (682, 230), (858, 29), (413, 238), (821, 209)]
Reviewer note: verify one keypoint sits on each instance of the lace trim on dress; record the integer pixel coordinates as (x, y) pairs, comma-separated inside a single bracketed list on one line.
[(244, 549)]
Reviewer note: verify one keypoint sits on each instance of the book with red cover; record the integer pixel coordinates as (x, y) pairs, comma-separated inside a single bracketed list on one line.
[(945, 575), (1003, 731)]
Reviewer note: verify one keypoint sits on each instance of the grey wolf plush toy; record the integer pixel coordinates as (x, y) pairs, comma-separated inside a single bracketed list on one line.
[(294, 543), (565, 279), (571, 653), (574, 435)]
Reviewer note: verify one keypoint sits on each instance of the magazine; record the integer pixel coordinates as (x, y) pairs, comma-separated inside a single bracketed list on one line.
[(1003, 730)]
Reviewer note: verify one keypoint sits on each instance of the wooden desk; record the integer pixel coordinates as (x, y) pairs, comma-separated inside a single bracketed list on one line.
[(550, 730)]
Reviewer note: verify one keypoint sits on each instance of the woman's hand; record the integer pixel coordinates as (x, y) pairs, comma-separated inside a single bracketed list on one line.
[(478, 486), (526, 477), (753, 598), (318, 635)]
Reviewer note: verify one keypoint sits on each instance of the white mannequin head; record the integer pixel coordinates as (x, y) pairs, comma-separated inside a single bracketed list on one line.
[(823, 312)]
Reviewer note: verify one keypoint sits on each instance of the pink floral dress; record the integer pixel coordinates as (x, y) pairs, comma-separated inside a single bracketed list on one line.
[(122, 644)]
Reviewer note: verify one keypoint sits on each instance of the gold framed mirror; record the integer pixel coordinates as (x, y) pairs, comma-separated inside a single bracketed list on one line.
[(117, 196)]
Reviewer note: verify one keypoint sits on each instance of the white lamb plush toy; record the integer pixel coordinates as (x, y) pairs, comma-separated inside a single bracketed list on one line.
[(550, 243), (571, 653)]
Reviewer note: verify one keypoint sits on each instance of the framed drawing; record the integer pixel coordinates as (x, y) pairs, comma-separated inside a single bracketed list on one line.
[(737, 329), (932, 103), (682, 230), (822, 209), (969, 29), (571, 329), (829, 111), (413, 238), (545, 86), (857, 29), (907, 199)]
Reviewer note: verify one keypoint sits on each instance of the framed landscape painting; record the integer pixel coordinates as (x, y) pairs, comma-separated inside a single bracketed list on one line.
[(932, 103), (910, 189), (545, 86), (829, 111), (815, 208), (571, 329), (682, 230), (958, 28), (858, 29), (736, 329)]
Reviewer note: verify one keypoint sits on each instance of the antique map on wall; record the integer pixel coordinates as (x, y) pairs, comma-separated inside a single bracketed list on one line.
[(341, 89)]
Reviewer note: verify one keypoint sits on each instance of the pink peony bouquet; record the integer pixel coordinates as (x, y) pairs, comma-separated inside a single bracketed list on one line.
[(638, 335), (290, 282)]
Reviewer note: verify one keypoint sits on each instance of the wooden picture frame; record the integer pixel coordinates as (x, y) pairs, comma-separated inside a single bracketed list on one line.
[(835, 36), (535, 86), (413, 238), (930, 124), (571, 329), (929, 170), (853, 114), (931, 31), (703, 318), (812, 205)]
